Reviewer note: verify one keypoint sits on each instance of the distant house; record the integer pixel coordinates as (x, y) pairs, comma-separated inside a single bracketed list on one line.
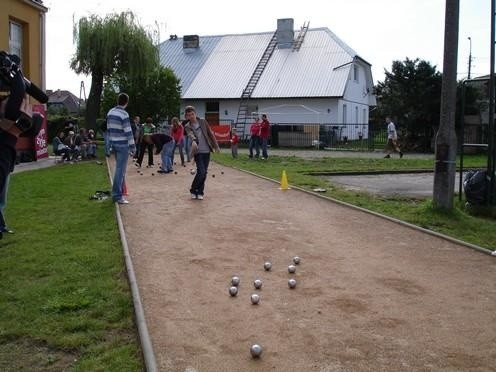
[(305, 77), (63, 100)]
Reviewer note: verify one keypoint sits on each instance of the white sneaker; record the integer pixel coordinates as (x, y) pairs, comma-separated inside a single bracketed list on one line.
[(122, 201), (193, 196), (200, 197)]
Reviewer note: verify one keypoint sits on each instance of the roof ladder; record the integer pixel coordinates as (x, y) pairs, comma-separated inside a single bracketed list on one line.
[(243, 114), (301, 36)]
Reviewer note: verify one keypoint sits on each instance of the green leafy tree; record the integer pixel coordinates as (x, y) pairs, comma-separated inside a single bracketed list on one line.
[(411, 95), (104, 47), (157, 95)]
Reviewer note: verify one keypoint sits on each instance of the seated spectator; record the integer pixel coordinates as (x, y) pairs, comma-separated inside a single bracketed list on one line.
[(91, 149), (59, 148), (70, 141), (81, 142)]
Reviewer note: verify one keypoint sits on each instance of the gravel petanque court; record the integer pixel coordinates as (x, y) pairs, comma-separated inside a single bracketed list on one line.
[(371, 295)]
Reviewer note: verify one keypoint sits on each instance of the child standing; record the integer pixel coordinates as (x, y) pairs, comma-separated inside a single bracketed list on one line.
[(234, 143)]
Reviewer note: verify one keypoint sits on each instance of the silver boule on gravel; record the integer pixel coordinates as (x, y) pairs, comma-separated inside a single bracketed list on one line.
[(255, 299), (233, 291), (267, 266), (235, 281), (256, 351), (291, 269), (257, 283), (296, 260), (292, 283)]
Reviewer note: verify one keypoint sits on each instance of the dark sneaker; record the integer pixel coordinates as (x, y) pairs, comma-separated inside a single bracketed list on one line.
[(401, 154), (387, 156)]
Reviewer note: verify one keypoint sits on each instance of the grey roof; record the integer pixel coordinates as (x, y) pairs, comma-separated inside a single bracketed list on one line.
[(222, 66)]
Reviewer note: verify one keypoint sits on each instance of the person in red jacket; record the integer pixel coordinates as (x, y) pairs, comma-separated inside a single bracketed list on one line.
[(234, 143), (255, 137), (264, 135)]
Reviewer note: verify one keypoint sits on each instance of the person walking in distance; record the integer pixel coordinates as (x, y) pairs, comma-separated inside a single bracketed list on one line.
[(264, 135), (122, 143), (234, 143), (203, 143), (392, 142)]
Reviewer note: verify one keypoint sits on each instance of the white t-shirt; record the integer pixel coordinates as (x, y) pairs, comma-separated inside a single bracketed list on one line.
[(391, 129)]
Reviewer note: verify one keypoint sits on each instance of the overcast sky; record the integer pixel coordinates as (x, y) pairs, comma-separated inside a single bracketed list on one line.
[(380, 31)]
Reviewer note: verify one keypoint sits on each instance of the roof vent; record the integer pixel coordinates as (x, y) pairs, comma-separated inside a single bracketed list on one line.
[(191, 42), (285, 33)]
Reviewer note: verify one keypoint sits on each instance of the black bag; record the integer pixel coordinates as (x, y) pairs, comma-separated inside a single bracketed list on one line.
[(475, 186)]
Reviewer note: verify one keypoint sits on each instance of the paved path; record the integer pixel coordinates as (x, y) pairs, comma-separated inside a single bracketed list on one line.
[(372, 295)]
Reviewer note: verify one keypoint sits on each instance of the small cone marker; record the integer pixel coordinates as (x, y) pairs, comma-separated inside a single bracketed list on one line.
[(124, 189), (284, 181)]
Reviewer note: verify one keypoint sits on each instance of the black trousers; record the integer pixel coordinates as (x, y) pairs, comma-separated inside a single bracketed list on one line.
[(198, 185), (141, 154)]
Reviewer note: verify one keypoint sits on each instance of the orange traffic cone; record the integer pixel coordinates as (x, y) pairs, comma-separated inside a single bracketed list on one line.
[(284, 181), (124, 189)]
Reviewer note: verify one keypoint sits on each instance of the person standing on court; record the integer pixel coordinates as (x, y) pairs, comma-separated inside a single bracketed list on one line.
[(255, 137), (264, 135), (121, 140), (392, 144), (203, 142)]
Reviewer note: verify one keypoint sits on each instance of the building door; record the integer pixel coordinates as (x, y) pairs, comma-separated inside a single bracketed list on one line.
[(212, 113)]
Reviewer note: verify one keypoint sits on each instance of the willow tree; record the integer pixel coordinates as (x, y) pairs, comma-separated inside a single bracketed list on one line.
[(110, 45)]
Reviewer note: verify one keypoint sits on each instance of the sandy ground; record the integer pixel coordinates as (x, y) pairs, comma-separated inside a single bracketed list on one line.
[(371, 295)]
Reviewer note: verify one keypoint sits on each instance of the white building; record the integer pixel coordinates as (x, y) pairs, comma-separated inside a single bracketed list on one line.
[(304, 77)]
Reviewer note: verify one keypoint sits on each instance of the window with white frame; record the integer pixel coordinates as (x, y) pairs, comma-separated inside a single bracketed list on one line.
[(356, 115), (364, 116), (356, 71), (345, 113), (15, 38)]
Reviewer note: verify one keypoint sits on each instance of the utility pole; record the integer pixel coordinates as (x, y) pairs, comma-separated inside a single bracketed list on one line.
[(445, 166), (470, 57)]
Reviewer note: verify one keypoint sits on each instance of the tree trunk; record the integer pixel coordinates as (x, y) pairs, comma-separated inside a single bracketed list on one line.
[(445, 166), (94, 99)]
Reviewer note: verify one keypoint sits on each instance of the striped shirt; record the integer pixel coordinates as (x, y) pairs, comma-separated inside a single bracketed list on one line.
[(119, 127)]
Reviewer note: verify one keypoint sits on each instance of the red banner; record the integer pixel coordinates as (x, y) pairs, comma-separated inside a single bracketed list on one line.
[(222, 132), (41, 140)]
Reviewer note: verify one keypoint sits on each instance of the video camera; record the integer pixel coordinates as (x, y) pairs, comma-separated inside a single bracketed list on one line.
[(13, 81), (9, 67)]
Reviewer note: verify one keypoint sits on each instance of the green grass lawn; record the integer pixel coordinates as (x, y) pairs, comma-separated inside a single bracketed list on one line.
[(458, 223), (65, 303)]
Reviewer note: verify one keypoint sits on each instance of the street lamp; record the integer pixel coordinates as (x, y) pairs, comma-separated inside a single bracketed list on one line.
[(469, 57)]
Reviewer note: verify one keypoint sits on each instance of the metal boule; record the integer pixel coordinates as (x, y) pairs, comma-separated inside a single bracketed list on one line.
[(292, 283), (257, 283), (235, 281), (233, 291), (267, 266), (192, 171), (296, 260), (291, 269), (255, 299), (256, 351)]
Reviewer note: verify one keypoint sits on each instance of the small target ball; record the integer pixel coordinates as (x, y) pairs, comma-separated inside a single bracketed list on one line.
[(296, 260), (267, 266), (175, 172), (291, 269), (235, 281), (222, 172), (233, 291), (256, 351), (292, 283), (192, 171), (255, 299), (257, 284), (213, 175), (153, 174)]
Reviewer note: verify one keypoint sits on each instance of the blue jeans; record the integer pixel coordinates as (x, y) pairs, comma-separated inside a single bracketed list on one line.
[(265, 142), (181, 154), (255, 144), (166, 155), (187, 147), (202, 160), (121, 157)]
